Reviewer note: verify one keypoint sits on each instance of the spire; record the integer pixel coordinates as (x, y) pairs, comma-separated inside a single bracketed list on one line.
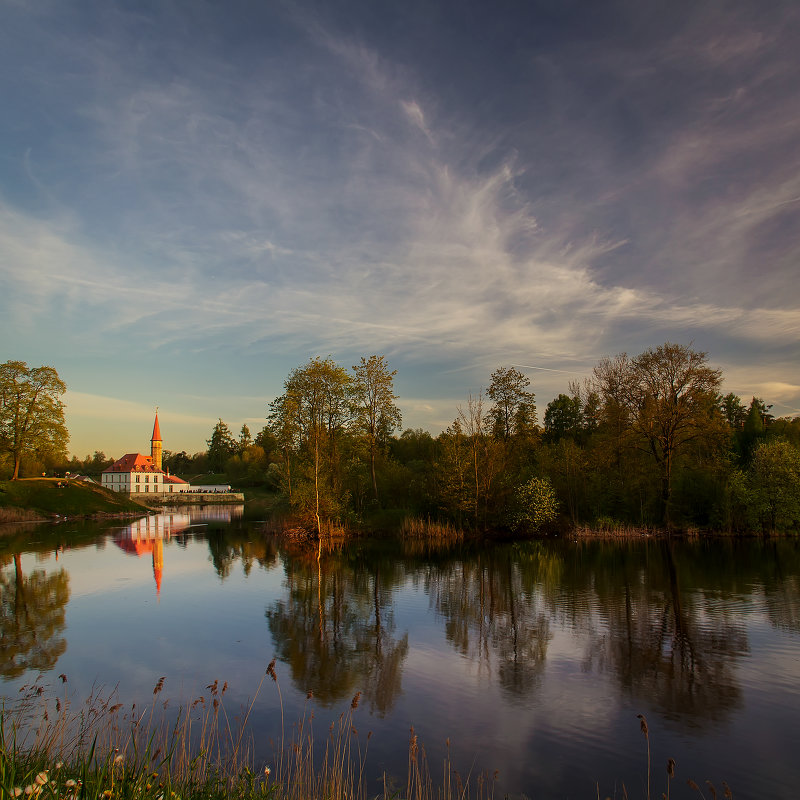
[(155, 444), (156, 437)]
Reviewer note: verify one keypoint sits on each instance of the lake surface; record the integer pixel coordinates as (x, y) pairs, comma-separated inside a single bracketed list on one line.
[(534, 659)]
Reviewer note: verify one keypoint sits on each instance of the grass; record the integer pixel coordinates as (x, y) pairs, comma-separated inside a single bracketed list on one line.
[(430, 530), (48, 497), (52, 749)]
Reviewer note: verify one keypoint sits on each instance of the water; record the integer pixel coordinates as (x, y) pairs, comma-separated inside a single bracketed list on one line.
[(534, 659)]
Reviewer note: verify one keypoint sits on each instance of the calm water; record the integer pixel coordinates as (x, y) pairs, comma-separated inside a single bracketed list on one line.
[(534, 658)]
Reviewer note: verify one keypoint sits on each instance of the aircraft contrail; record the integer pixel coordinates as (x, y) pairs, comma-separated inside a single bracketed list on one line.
[(548, 369)]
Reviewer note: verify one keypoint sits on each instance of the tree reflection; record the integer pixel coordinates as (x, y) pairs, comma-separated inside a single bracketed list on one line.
[(492, 613), (659, 639), (336, 630), (32, 612), (226, 546)]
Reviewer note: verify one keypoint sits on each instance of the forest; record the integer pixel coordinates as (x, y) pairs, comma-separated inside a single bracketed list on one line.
[(648, 441)]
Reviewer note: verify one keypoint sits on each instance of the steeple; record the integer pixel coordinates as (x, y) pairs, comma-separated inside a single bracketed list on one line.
[(155, 444)]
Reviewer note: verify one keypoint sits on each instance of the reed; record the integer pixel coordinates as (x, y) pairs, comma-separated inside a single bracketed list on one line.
[(431, 530), (52, 748)]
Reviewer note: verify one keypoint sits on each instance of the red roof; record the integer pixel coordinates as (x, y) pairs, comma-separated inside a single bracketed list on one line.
[(133, 462), (175, 479), (156, 437)]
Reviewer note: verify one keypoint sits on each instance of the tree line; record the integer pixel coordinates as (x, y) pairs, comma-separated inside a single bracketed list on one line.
[(647, 440)]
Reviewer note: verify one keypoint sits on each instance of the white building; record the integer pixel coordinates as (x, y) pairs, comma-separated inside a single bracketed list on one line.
[(135, 473)]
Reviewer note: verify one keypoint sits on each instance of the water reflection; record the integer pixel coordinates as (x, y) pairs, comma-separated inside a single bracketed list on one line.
[(335, 628), (551, 646), (146, 536), (32, 612)]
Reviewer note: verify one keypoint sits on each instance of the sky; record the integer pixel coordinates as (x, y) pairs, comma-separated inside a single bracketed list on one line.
[(197, 197)]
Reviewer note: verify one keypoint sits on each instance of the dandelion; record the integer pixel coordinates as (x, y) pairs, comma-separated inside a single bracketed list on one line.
[(71, 784), (16, 792), (118, 759), (41, 779)]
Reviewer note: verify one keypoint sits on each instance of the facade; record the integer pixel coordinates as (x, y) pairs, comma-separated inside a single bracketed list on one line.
[(136, 473)]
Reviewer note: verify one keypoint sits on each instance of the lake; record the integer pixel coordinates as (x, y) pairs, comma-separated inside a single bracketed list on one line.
[(534, 658)]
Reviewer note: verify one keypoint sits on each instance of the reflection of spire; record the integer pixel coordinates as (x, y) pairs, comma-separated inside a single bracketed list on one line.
[(158, 564)]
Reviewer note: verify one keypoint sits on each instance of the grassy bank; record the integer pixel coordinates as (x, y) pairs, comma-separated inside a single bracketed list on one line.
[(45, 498), (50, 749)]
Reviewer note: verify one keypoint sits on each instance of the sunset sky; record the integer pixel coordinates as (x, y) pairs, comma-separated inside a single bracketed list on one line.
[(196, 197)]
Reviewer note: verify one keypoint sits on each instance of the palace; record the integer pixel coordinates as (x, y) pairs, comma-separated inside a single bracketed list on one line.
[(135, 473)]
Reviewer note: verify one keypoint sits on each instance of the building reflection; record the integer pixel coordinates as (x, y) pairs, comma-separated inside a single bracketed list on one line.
[(147, 536)]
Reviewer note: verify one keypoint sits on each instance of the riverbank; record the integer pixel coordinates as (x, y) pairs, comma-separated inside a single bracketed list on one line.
[(42, 499)]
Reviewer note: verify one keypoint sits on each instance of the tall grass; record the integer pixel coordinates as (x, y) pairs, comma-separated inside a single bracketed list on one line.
[(430, 530), (53, 749)]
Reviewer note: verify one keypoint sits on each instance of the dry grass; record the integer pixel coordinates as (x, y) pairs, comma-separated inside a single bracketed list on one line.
[(55, 749), (430, 530)]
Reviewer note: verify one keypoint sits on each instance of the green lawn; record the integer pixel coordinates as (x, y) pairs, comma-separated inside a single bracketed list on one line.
[(50, 496)]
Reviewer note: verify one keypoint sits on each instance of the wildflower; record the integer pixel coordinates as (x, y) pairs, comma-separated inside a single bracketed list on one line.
[(71, 784), (41, 779), (16, 792), (267, 771), (118, 759)]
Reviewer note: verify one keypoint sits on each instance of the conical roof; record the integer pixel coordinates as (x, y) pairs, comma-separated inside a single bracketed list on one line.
[(156, 437)]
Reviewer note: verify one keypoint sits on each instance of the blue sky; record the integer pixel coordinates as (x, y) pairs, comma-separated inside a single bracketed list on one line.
[(196, 197)]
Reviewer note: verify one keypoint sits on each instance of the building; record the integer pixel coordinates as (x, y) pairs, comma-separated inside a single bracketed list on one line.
[(136, 473)]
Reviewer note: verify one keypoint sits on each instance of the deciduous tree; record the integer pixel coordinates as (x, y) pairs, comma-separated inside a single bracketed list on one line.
[(31, 413), (376, 414), (514, 409), (668, 396)]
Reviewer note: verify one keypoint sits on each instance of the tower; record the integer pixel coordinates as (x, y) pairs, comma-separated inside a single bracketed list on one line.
[(155, 444)]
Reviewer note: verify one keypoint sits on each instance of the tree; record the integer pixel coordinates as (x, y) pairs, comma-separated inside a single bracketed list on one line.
[(245, 439), (668, 397), (536, 503), (376, 414), (315, 409), (221, 446), (31, 413), (774, 478), (514, 410), (563, 417)]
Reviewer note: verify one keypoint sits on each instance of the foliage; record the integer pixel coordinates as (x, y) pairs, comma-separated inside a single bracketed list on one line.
[(31, 413), (774, 483), (536, 505), (221, 446), (375, 414), (664, 400), (514, 409)]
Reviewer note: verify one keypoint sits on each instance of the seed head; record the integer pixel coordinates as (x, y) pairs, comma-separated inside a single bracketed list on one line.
[(642, 723), (271, 670), (671, 767)]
